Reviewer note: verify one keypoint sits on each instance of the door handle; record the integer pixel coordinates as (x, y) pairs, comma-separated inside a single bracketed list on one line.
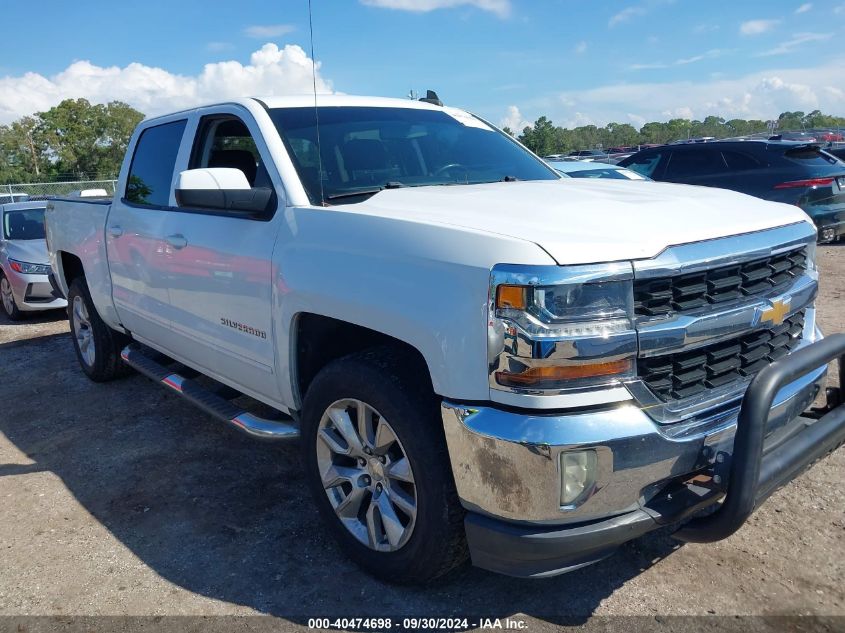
[(115, 231), (177, 241)]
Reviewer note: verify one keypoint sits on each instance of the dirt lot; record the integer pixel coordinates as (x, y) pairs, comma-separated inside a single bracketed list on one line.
[(121, 499)]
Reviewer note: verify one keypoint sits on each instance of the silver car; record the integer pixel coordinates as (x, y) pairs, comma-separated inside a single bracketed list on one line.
[(24, 265)]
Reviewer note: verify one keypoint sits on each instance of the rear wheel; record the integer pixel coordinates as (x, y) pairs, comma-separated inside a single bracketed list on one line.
[(377, 465), (8, 300), (97, 346)]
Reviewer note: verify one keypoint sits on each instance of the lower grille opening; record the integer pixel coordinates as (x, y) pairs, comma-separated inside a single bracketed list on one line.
[(686, 374)]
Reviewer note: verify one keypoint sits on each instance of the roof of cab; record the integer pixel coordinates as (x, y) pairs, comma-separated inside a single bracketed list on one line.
[(19, 206), (302, 101), (307, 101)]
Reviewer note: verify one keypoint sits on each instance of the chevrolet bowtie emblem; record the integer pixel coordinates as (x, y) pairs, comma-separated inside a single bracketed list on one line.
[(776, 313)]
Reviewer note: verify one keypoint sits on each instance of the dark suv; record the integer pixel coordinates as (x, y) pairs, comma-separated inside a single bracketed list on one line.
[(800, 174)]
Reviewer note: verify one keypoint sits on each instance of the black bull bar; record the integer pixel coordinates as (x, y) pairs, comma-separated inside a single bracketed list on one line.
[(753, 475)]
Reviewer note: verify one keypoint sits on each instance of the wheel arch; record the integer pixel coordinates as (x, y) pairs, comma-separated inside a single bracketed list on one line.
[(317, 340)]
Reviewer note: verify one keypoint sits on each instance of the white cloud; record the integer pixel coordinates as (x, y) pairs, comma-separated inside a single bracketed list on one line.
[(636, 11), (807, 6), (219, 47), (761, 95), (711, 54), (581, 48), (514, 120), (756, 27), (271, 71), (795, 42), (626, 14), (706, 27), (266, 31), (502, 8)]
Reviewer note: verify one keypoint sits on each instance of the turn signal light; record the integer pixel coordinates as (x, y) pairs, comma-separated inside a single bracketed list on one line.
[(553, 376), (512, 297)]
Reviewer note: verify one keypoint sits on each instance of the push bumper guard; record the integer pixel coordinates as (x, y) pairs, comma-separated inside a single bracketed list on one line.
[(753, 475)]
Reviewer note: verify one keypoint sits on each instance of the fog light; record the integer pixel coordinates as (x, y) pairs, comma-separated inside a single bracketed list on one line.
[(828, 235), (577, 476)]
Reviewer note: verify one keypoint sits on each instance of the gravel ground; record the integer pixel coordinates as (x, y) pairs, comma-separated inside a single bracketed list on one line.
[(120, 499)]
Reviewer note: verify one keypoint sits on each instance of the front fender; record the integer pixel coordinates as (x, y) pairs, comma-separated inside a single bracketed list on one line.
[(423, 284)]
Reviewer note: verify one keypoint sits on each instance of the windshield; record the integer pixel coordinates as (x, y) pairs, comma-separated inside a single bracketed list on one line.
[(24, 224), (367, 149)]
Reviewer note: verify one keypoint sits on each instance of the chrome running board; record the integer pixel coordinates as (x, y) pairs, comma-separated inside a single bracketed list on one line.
[(210, 402)]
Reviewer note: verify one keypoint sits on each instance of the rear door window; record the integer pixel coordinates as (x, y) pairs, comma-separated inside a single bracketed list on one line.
[(645, 164), (741, 161), (686, 164), (151, 173)]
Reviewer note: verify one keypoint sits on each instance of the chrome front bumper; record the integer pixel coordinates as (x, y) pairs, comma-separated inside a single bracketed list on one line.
[(506, 464)]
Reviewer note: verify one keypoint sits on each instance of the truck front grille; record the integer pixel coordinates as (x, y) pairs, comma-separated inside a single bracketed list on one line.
[(682, 293), (685, 374)]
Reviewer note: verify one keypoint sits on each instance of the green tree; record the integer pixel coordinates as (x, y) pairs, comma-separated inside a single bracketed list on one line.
[(540, 139), (87, 140)]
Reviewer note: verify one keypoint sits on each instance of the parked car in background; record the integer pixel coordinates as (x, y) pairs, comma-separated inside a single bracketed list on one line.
[(839, 152), (6, 198), (831, 137), (593, 169), (587, 154), (24, 263), (797, 137), (794, 173)]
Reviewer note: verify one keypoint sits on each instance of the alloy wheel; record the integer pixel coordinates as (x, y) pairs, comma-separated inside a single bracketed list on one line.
[(83, 332), (6, 295), (366, 475)]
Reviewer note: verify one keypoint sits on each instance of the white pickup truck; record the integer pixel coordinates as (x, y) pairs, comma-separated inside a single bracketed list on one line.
[(478, 357)]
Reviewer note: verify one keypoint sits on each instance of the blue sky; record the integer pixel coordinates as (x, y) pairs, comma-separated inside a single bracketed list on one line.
[(508, 60)]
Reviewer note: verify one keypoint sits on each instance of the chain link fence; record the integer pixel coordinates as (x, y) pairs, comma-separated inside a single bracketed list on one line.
[(44, 190)]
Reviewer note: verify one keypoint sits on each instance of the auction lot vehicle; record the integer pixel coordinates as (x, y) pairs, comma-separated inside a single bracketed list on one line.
[(585, 169), (478, 356), (795, 173), (24, 264)]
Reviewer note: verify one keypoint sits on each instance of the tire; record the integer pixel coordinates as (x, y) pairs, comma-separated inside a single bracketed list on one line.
[(97, 346), (383, 379), (7, 300)]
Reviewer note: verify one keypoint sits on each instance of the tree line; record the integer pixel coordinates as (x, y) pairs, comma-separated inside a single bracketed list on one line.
[(78, 140), (75, 140), (545, 138)]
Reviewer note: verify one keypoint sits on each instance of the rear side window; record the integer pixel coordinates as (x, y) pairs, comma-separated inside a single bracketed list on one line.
[(689, 164), (151, 173), (810, 156)]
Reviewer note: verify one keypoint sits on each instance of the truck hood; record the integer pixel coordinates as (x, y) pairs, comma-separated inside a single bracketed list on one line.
[(582, 221), (30, 251)]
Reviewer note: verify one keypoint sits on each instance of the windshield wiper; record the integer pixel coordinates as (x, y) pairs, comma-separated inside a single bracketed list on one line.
[(509, 179), (365, 192)]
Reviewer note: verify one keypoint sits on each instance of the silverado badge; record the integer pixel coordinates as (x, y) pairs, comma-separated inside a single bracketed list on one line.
[(775, 313)]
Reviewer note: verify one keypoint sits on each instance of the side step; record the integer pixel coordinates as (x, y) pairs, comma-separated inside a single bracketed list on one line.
[(208, 401)]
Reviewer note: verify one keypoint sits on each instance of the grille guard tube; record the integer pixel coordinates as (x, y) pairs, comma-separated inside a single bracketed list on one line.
[(752, 477)]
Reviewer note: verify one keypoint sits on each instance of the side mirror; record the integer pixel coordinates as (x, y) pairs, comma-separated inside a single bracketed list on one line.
[(222, 188)]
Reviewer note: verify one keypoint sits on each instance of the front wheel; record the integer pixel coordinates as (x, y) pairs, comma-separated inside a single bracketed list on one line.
[(97, 346), (377, 465), (8, 300)]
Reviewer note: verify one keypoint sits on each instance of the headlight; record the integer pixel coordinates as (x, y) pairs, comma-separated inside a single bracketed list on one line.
[(30, 269), (554, 329)]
